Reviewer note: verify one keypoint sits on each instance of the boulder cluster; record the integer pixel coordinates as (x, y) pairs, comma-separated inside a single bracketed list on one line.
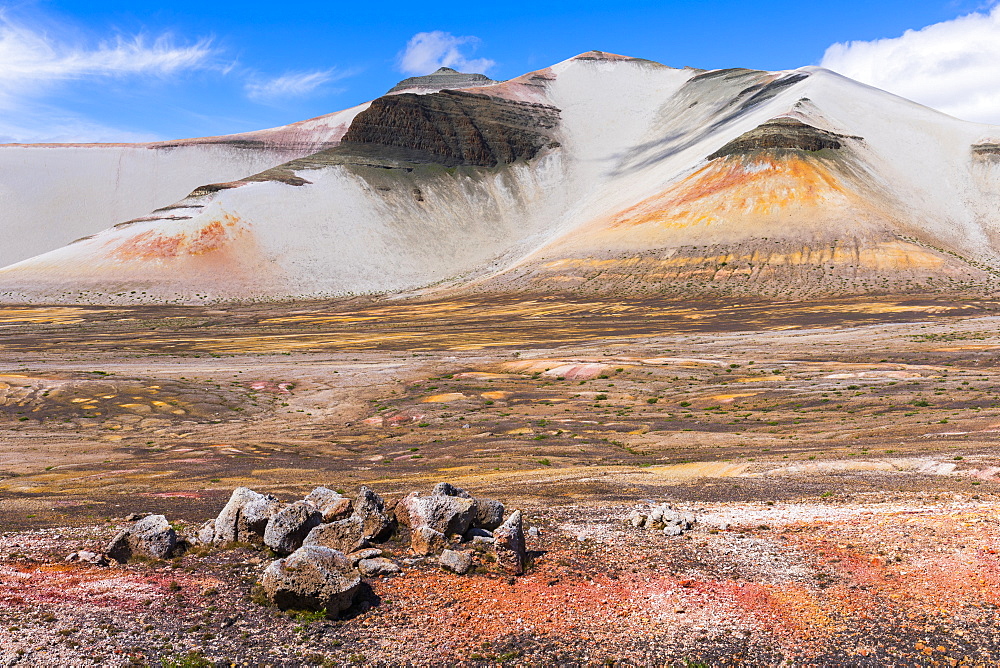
[(328, 542), (663, 517)]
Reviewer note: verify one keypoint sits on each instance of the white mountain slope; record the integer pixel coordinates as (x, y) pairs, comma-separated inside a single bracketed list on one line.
[(602, 173), (52, 194)]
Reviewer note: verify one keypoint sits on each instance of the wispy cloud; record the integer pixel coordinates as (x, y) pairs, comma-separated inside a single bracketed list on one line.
[(292, 84), (36, 63), (427, 51), (31, 61), (951, 66)]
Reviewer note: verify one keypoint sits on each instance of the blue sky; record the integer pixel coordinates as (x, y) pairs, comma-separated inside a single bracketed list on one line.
[(114, 70)]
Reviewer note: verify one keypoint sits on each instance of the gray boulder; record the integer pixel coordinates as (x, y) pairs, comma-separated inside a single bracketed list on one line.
[(509, 544), (488, 514), (369, 507), (244, 518), (290, 525), (445, 514), (425, 541), (343, 535), (312, 578), (332, 504), (377, 566), (150, 537), (205, 533), (447, 489), (455, 561)]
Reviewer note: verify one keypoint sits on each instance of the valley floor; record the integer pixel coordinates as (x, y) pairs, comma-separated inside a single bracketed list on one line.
[(841, 455)]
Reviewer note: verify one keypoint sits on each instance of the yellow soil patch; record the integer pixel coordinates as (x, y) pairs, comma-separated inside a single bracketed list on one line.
[(729, 398), (495, 396), (443, 398)]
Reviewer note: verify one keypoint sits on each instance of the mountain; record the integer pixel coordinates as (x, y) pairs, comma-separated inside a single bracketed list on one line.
[(600, 174)]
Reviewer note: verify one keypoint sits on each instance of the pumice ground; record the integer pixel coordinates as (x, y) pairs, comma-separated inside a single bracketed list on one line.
[(840, 458)]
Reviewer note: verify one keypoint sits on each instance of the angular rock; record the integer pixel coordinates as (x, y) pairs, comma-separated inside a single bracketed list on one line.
[(86, 556), (369, 507), (365, 553), (509, 544), (377, 566), (332, 504), (445, 514), (447, 489), (244, 518), (455, 561), (425, 541), (312, 578), (343, 535), (290, 525), (488, 514), (205, 533), (151, 537)]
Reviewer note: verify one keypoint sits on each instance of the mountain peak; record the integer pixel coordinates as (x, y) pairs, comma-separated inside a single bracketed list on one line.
[(443, 78)]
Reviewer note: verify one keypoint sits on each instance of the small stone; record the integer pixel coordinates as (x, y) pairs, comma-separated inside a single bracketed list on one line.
[(86, 556), (289, 526), (455, 561), (672, 530), (636, 519), (482, 540), (378, 566), (366, 553), (425, 541), (509, 544), (534, 532)]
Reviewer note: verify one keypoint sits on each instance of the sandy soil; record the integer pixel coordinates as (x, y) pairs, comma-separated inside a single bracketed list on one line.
[(842, 458)]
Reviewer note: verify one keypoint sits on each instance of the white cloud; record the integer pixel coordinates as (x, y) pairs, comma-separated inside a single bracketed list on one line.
[(427, 51), (292, 84), (31, 61), (951, 66)]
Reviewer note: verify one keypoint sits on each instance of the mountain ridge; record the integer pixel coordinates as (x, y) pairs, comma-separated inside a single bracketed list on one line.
[(601, 173)]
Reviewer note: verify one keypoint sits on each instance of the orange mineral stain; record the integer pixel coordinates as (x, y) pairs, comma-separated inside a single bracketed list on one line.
[(155, 245), (736, 187)]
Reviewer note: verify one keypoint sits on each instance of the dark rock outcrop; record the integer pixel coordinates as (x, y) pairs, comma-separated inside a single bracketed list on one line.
[(782, 134), (444, 77), (449, 128)]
